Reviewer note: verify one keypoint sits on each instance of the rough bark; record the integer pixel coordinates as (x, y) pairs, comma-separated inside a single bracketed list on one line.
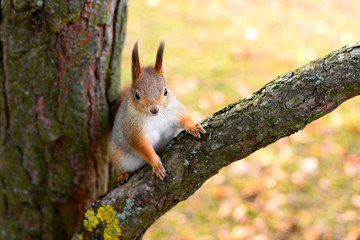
[(281, 108), (59, 71)]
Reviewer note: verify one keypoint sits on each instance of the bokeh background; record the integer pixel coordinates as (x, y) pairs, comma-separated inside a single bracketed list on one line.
[(306, 186)]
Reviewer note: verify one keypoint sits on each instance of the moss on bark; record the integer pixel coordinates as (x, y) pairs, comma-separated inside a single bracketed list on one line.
[(55, 58)]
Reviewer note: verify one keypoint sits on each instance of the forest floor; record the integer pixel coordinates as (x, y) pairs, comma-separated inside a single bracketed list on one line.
[(306, 186)]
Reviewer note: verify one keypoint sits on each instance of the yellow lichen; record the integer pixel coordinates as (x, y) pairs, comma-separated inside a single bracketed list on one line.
[(106, 213), (91, 221), (112, 231)]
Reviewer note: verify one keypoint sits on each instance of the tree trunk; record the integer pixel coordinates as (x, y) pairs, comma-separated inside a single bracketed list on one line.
[(59, 72), (282, 107)]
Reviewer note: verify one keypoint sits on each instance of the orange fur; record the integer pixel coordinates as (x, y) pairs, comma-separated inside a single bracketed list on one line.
[(125, 92), (122, 176), (142, 145), (149, 116), (159, 58), (150, 86), (115, 154), (135, 65), (189, 125)]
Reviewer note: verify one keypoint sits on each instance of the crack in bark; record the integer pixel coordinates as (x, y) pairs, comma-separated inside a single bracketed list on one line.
[(89, 111), (60, 53), (5, 92), (5, 200), (116, 13), (118, 28)]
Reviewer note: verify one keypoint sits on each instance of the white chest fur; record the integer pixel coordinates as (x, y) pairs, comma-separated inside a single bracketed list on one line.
[(160, 130)]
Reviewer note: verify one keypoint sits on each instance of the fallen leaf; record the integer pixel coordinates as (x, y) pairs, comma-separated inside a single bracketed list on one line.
[(259, 237), (309, 165), (355, 200), (224, 210), (316, 150), (221, 191), (241, 232), (298, 178), (304, 218), (251, 192), (311, 234), (223, 234), (354, 234), (239, 213)]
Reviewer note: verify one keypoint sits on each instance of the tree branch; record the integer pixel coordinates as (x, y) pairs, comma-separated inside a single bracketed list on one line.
[(281, 108)]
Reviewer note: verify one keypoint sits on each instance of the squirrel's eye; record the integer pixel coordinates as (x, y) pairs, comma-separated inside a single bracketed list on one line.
[(165, 92), (137, 95)]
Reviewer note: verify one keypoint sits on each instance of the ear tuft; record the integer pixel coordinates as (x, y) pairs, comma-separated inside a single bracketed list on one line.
[(159, 58), (135, 65)]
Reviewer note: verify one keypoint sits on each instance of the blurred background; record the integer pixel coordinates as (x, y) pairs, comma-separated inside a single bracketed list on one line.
[(306, 186)]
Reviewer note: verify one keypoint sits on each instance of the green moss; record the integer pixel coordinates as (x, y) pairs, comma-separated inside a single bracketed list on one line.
[(215, 146), (295, 101), (60, 14), (114, 72), (75, 6), (100, 14), (37, 4), (20, 5)]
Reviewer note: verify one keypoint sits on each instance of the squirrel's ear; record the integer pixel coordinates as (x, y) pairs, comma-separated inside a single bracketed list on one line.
[(135, 65), (159, 58)]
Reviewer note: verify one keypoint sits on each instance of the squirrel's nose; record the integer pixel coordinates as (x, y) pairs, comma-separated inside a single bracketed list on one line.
[(154, 111)]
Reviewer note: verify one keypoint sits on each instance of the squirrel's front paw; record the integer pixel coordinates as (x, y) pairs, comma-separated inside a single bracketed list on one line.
[(196, 130), (159, 170)]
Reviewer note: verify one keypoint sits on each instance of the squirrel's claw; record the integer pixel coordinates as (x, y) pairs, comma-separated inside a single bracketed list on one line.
[(122, 178), (200, 128), (159, 171), (196, 130)]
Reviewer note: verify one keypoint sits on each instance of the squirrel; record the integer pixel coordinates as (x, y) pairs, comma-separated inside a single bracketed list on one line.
[(148, 118)]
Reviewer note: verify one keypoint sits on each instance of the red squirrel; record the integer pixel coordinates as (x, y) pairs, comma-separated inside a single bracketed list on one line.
[(147, 119)]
